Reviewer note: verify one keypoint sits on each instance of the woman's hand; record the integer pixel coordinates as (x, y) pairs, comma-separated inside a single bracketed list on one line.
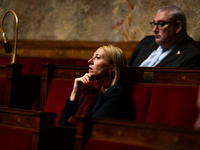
[(79, 86)]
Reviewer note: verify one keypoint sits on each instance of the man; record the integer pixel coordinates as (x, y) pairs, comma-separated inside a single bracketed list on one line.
[(170, 46)]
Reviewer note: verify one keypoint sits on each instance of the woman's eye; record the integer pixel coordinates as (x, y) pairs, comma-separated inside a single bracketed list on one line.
[(98, 57)]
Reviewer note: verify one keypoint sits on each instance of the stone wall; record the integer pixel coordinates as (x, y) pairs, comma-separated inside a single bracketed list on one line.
[(91, 20)]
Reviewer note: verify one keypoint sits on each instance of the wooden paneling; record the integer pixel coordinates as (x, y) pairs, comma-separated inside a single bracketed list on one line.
[(64, 49), (135, 133), (163, 75), (40, 123)]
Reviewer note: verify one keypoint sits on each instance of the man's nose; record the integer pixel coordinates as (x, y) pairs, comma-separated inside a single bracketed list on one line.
[(155, 28)]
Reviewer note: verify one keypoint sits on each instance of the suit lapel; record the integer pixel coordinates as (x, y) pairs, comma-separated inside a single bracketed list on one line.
[(176, 52)]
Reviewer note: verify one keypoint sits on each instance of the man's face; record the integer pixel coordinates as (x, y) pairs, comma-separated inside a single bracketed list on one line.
[(165, 36)]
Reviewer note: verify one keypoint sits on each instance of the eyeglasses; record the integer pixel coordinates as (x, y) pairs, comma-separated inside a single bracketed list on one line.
[(159, 25)]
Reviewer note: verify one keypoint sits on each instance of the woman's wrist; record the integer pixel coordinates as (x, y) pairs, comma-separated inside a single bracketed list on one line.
[(73, 97)]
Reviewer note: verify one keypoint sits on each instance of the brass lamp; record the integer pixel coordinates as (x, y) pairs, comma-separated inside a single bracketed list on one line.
[(7, 45)]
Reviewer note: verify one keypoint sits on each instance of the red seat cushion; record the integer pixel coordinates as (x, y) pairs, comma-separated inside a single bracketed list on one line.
[(15, 138), (141, 95), (59, 91), (174, 105), (2, 90)]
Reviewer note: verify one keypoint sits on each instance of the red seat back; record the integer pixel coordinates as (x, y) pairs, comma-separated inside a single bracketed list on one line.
[(58, 93), (37, 70), (15, 138), (2, 90), (140, 96), (175, 105), (28, 64)]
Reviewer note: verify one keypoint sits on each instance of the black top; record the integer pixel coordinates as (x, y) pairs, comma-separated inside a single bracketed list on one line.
[(113, 103)]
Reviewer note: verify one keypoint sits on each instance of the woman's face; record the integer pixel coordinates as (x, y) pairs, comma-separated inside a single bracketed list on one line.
[(99, 64)]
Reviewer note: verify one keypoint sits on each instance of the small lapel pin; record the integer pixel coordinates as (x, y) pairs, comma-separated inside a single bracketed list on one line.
[(178, 52)]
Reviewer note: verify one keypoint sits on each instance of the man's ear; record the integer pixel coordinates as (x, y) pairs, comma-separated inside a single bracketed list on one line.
[(112, 67), (179, 26)]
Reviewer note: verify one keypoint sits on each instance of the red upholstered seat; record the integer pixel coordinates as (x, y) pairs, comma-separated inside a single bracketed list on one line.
[(82, 62), (15, 138), (59, 91), (27, 64), (5, 60), (2, 90), (140, 96), (93, 144), (175, 105), (37, 70)]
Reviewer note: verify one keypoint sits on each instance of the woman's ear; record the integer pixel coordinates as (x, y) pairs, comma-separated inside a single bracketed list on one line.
[(112, 67)]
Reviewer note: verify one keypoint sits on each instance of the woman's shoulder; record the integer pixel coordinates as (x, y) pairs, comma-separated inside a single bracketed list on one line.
[(116, 89)]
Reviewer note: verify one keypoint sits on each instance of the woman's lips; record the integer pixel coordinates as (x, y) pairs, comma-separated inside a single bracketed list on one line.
[(90, 68)]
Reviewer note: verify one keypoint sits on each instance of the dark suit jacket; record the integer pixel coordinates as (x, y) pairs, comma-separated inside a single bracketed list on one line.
[(114, 103), (185, 54)]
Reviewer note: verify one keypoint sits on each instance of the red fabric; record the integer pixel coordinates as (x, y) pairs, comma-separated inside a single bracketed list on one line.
[(93, 144), (174, 105), (15, 139), (5, 60), (59, 91), (28, 64), (140, 96), (37, 70), (90, 95), (35, 105), (82, 62), (2, 90)]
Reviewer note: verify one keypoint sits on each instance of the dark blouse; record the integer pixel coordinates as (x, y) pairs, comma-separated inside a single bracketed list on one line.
[(114, 103)]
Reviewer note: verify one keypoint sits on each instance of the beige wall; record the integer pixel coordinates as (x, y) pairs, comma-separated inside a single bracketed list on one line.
[(91, 20)]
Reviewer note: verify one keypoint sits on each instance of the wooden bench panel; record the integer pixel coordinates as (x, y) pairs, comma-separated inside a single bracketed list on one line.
[(163, 75), (41, 124), (136, 134)]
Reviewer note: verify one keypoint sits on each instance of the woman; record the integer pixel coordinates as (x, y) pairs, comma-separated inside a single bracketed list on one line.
[(107, 98)]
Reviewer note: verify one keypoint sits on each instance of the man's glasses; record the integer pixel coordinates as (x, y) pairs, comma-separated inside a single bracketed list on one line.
[(159, 25)]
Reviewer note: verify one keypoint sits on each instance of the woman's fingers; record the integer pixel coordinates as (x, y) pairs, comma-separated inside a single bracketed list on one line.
[(84, 79), (79, 85)]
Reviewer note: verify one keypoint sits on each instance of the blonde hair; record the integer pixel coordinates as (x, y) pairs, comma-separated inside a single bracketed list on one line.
[(118, 59)]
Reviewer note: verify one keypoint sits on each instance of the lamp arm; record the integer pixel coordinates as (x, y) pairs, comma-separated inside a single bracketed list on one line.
[(14, 59)]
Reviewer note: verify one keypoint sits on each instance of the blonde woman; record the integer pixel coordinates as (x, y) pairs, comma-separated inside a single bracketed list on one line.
[(107, 98)]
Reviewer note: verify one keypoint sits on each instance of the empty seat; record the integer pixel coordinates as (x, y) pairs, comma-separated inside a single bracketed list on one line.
[(140, 96), (175, 105), (15, 138), (2, 90), (58, 93), (37, 70)]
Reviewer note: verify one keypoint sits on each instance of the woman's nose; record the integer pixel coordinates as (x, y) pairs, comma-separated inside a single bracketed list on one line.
[(90, 60)]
